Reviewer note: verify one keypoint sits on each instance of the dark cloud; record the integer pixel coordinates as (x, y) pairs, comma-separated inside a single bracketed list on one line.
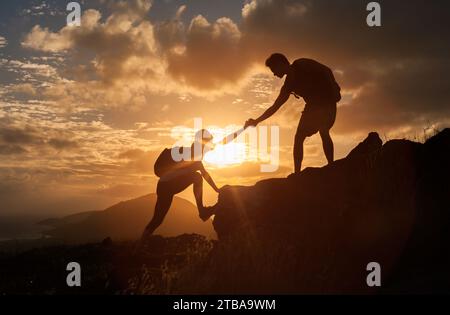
[(396, 73), (15, 138), (170, 34), (409, 95), (62, 144), (19, 136), (11, 150), (211, 56), (219, 55), (337, 30)]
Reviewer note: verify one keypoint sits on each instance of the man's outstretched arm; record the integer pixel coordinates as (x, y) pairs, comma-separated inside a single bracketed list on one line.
[(281, 99)]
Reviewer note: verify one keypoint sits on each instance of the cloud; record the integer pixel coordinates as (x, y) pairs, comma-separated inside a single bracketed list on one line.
[(29, 70), (42, 9), (132, 154), (42, 39), (399, 99), (390, 75), (206, 43), (33, 179), (19, 136), (63, 144), (13, 140), (337, 30), (24, 88), (3, 42), (118, 45), (125, 68), (11, 149), (138, 56), (47, 192)]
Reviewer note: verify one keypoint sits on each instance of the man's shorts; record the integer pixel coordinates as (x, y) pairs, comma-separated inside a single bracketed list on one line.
[(317, 117)]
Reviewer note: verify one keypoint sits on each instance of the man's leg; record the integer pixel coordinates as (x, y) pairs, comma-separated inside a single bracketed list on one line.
[(163, 202), (298, 150), (328, 146), (306, 128)]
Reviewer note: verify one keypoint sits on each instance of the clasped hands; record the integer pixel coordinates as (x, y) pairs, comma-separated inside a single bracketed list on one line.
[(251, 123)]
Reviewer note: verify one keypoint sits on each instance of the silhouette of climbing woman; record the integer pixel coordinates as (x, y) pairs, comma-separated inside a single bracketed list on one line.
[(316, 84), (176, 176)]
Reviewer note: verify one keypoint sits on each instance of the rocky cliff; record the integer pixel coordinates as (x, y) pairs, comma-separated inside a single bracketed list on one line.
[(315, 232)]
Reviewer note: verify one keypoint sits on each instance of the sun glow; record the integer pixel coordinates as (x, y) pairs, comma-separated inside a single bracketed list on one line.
[(233, 153), (226, 155), (245, 148)]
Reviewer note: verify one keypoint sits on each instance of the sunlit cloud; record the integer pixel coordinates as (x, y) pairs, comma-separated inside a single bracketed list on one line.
[(3, 42)]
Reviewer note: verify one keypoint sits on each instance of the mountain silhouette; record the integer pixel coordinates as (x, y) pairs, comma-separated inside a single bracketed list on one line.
[(126, 221)]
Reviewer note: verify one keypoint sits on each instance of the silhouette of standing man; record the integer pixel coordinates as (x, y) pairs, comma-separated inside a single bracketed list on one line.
[(316, 84)]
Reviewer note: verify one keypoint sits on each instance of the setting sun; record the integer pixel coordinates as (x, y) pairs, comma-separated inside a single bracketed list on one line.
[(225, 155)]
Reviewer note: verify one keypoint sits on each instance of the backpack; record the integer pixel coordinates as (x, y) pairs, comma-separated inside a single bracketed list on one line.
[(316, 80), (164, 163), (336, 91), (335, 88)]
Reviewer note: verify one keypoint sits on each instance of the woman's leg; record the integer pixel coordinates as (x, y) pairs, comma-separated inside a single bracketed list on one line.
[(197, 181), (167, 190), (180, 183), (163, 202)]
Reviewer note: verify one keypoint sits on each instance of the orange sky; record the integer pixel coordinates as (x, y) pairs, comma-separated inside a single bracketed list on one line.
[(84, 111)]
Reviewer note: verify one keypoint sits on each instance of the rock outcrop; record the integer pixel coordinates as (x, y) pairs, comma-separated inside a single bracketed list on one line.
[(316, 232)]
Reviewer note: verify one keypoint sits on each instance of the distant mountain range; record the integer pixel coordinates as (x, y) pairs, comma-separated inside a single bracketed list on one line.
[(126, 221)]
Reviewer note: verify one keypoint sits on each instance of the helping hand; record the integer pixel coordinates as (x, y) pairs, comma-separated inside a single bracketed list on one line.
[(250, 123)]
